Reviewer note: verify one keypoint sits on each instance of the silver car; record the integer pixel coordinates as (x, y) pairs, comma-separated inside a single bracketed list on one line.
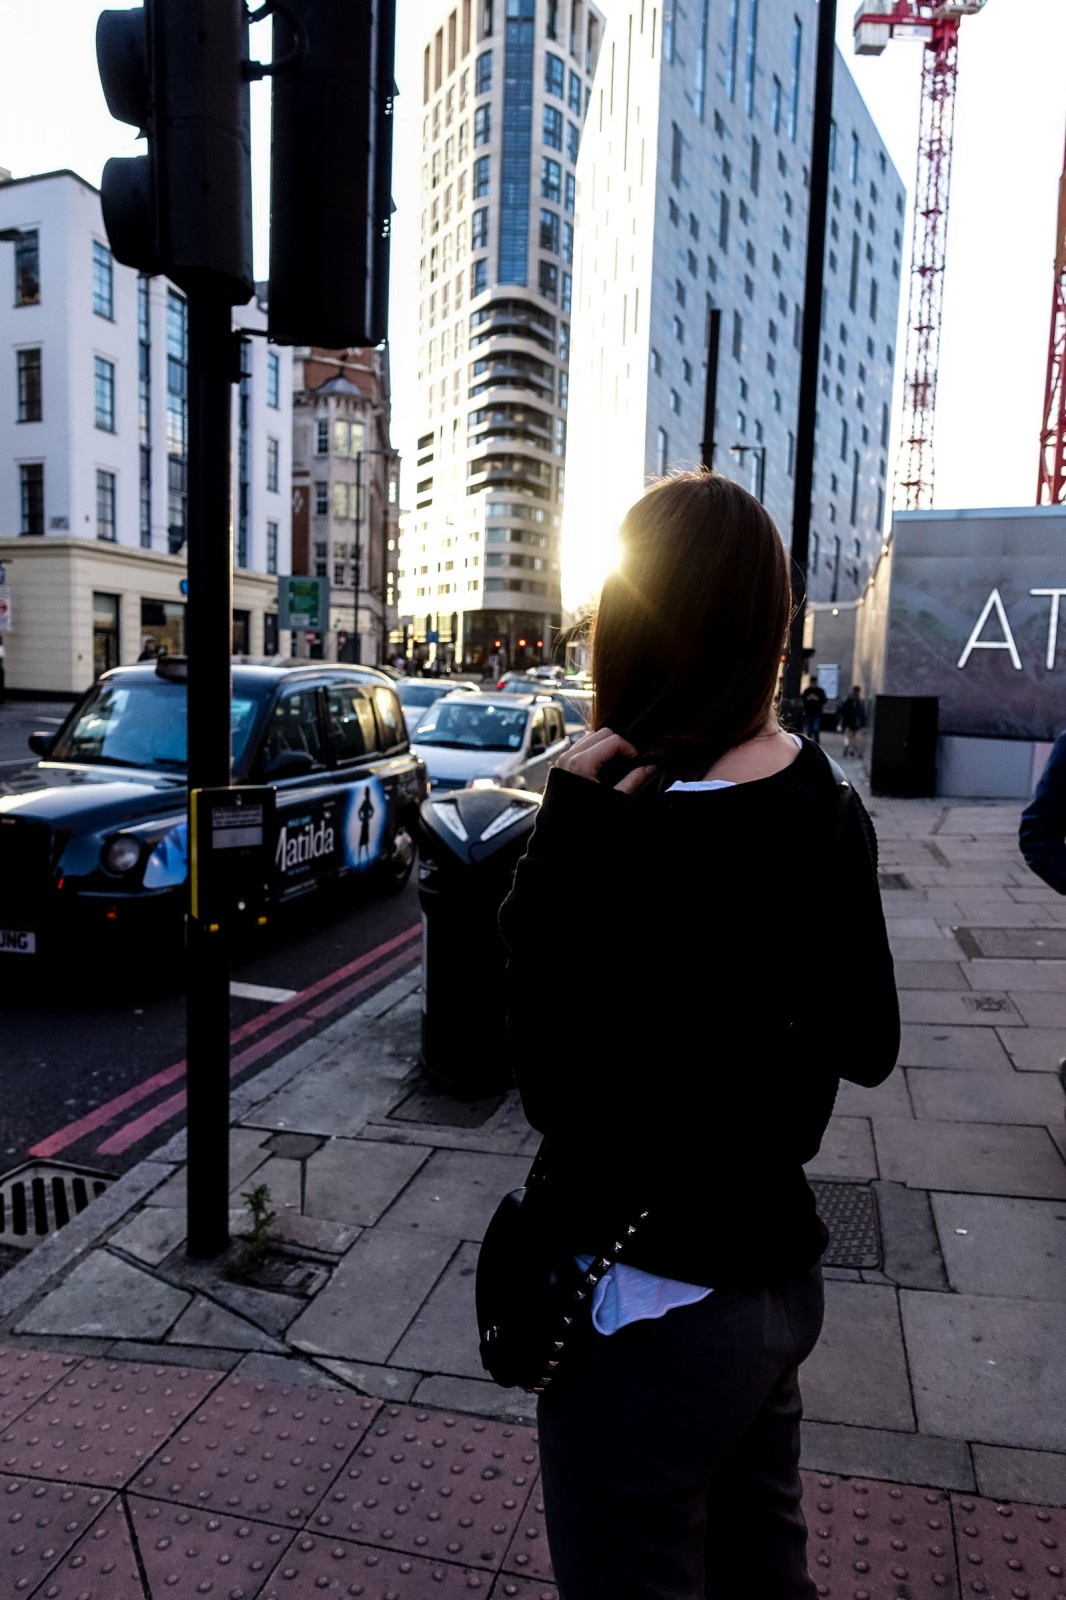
[(508, 741)]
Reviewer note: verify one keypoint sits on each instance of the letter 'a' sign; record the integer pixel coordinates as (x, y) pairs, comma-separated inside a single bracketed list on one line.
[(993, 615)]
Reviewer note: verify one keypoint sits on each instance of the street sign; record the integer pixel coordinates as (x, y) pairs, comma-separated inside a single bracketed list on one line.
[(303, 602)]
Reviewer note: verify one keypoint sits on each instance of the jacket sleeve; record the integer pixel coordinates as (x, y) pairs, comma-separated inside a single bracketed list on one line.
[(1042, 834), (863, 1032)]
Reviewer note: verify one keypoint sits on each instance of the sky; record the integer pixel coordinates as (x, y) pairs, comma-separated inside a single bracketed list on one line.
[(1010, 129)]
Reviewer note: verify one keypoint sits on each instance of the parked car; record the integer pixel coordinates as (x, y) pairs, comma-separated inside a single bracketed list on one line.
[(416, 695), (577, 709), (100, 849), (519, 683), (507, 740)]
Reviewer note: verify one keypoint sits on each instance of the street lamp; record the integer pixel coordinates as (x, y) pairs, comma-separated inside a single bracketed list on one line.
[(759, 452)]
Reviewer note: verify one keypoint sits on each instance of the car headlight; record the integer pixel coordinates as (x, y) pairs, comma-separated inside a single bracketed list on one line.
[(122, 853)]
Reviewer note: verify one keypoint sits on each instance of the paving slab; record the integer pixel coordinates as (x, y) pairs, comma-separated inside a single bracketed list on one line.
[(152, 1234), (1020, 977), (42, 1522), (27, 1374), (355, 1181), (193, 1552), (455, 1193), (857, 1372), (1036, 1476), (281, 1176), (1043, 1010), (911, 1247), (293, 1228), (940, 950), (246, 1153), (1006, 1247), (847, 1150), (1001, 1097), (206, 1323), (987, 1369), (373, 1295), (1034, 1049), (879, 1453), (970, 1157), (442, 1338), (385, 1383), (966, 1009), (478, 1396), (889, 1099), (931, 974), (105, 1295), (930, 1045)]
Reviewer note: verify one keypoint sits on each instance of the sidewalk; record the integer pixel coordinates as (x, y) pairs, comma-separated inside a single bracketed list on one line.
[(325, 1424)]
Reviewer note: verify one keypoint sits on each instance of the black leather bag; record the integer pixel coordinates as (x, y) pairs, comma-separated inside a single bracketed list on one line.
[(533, 1301)]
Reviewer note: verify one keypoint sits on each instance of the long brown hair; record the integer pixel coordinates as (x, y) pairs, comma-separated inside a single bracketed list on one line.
[(688, 635)]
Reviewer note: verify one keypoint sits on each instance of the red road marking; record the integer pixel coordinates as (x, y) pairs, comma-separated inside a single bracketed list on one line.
[(64, 1137)]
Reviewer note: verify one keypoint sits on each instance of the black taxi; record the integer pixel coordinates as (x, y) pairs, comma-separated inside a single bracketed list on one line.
[(100, 848)]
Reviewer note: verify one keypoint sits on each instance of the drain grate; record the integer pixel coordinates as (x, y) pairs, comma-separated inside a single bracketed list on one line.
[(39, 1197), (849, 1211), (441, 1110)]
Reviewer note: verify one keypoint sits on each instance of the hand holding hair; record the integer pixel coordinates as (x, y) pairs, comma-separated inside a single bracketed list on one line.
[(589, 757)]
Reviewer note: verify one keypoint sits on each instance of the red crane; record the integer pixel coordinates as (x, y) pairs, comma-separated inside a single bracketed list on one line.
[(936, 24), (1051, 479)]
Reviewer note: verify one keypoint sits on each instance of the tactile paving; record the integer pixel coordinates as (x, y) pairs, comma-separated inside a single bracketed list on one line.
[(189, 1552), (101, 1422), (509, 1587), (25, 1375), (448, 1487), (258, 1449), (101, 1566), (337, 1566), (528, 1550), (878, 1541), (1010, 1552), (39, 1522)]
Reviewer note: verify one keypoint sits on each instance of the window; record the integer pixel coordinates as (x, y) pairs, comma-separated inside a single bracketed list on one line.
[(31, 498), (554, 75), (272, 465), (482, 125), (321, 499), (322, 436), (28, 363), (103, 281), (731, 50), (573, 142), (675, 155), (479, 276), (679, 330), (28, 269), (662, 451), (551, 179), (479, 186), (568, 244), (548, 279), (553, 127), (675, 402), (272, 547), (574, 100), (273, 379), (873, 299), (853, 164), (479, 228), (794, 78), (853, 287), (723, 222), (549, 230), (105, 505), (351, 723), (749, 57), (104, 394), (775, 104), (571, 191), (738, 335), (294, 726), (567, 294), (756, 161), (483, 73)]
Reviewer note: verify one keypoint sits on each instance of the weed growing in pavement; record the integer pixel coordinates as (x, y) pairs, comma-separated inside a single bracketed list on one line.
[(256, 1244)]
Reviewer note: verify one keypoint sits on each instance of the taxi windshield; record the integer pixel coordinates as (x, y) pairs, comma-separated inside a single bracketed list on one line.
[(460, 725), (141, 725)]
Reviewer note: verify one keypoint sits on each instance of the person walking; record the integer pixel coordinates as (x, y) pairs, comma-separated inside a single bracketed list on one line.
[(813, 701), (1042, 832), (852, 721), (696, 1081)]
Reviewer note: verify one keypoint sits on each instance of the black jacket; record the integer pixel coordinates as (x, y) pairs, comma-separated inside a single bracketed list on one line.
[(1042, 835), (681, 1068)]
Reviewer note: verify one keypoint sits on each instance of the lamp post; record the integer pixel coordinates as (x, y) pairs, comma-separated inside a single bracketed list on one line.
[(357, 638), (759, 452)]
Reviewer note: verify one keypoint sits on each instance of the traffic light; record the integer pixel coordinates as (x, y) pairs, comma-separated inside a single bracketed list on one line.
[(178, 71), (331, 172)]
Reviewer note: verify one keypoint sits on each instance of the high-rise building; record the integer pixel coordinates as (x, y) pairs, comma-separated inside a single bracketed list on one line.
[(505, 89), (345, 478), (692, 198), (94, 420)]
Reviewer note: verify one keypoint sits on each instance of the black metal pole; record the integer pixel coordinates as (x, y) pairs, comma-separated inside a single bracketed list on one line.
[(710, 393), (208, 646), (811, 343), (357, 563)]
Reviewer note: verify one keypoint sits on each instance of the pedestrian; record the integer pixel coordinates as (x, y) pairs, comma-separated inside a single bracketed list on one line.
[(149, 648), (1042, 834), (853, 720), (813, 700), (695, 1081)]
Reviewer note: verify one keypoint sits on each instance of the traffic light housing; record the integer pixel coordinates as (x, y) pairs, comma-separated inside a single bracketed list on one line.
[(178, 71), (331, 172)]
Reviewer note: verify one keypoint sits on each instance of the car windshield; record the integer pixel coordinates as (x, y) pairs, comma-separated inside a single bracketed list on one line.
[(419, 694), (141, 725), (576, 708), (463, 725)]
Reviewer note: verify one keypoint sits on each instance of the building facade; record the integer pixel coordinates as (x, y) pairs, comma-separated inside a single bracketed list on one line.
[(692, 200), (94, 450), (346, 500), (505, 90)]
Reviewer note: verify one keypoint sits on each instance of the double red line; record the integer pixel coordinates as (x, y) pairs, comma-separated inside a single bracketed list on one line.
[(280, 1023)]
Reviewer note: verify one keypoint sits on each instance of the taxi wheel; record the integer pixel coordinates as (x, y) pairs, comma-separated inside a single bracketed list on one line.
[(396, 868)]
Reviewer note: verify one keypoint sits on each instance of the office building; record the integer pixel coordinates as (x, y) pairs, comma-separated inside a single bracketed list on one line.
[(692, 199), (505, 89), (94, 450)]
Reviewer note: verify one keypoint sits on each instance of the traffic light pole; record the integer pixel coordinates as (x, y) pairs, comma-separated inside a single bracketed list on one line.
[(212, 351)]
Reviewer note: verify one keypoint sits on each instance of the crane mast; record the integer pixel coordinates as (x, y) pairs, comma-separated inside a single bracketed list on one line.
[(1051, 478), (936, 26)]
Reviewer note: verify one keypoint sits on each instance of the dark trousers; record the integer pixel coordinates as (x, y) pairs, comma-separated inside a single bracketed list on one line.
[(670, 1457), (812, 727)]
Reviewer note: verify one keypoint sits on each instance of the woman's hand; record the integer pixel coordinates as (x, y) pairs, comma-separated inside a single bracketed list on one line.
[(590, 755)]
